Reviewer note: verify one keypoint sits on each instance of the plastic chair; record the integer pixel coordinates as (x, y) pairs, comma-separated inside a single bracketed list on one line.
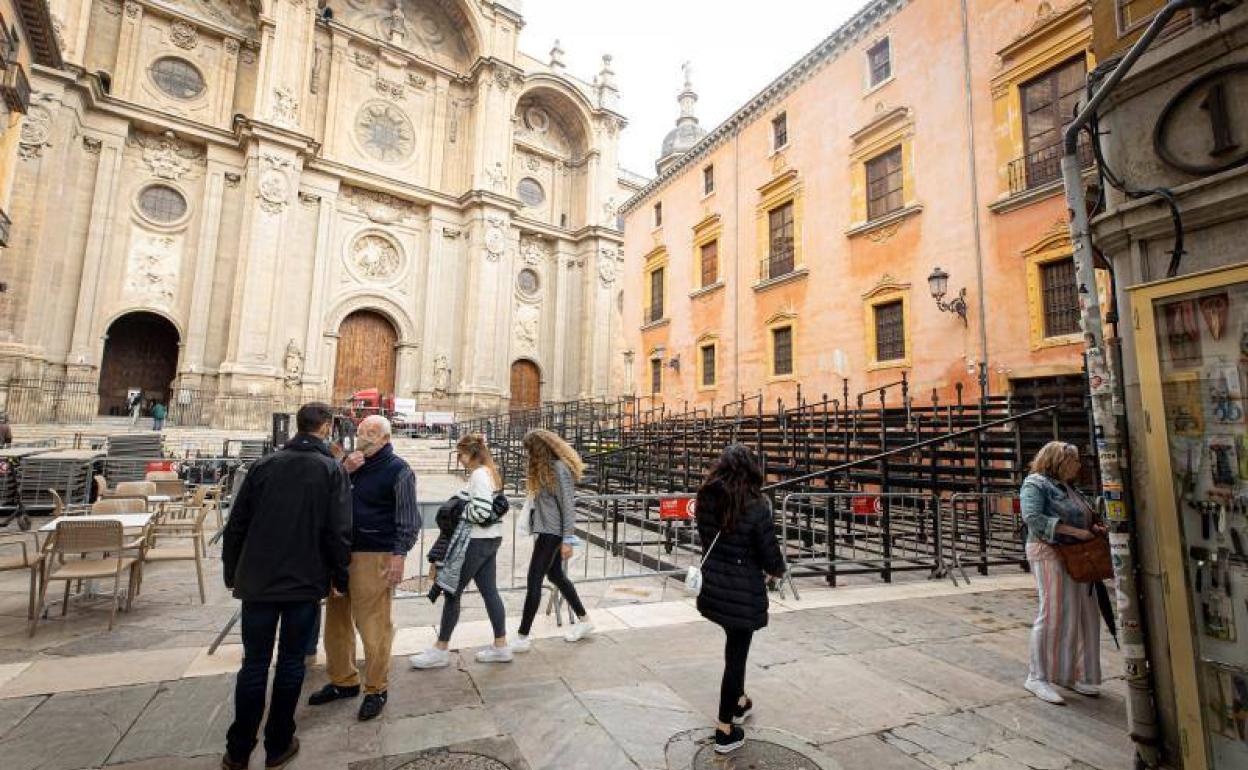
[(101, 486), (133, 489), (86, 538), (168, 483), (184, 524), (21, 551)]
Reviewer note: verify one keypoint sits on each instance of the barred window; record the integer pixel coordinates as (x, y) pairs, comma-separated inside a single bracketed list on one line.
[(779, 131), (884, 184), (708, 180), (782, 350), (708, 365), (880, 62), (1061, 298), (177, 77), (656, 375), (780, 230), (162, 204), (656, 296), (709, 259), (890, 332)]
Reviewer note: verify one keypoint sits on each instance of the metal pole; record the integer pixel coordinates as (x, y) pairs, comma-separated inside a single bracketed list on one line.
[(1107, 407)]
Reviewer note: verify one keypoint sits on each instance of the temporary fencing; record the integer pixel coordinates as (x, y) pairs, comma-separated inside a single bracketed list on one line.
[(985, 530)]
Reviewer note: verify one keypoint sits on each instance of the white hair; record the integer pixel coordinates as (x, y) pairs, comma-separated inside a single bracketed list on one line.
[(379, 421)]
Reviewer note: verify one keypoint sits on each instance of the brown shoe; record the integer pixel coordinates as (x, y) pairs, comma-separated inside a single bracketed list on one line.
[(230, 764), (282, 759)]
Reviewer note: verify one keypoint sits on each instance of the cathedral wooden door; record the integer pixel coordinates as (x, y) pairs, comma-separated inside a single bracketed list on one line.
[(526, 386), (366, 355), (141, 353)]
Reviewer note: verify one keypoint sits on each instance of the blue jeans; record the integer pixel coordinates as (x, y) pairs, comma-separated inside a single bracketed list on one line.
[(260, 632), (158, 423)]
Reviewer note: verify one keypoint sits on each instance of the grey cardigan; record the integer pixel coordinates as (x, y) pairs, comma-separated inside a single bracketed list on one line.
[(555, 514)]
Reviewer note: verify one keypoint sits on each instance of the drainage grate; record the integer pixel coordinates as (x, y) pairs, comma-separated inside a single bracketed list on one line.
[(754, 755), (453, 760)]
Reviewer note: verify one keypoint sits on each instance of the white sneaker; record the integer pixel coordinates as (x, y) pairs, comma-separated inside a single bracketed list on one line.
[(579, 631), (494, 655), (431, 658), (1044, 691), (1087, 690), (521, 644)]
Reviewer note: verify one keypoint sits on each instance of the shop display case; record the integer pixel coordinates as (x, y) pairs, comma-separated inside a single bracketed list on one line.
[(1192, 349)]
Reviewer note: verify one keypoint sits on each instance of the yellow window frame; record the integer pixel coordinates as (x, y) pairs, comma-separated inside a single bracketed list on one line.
[(782, 189), (886, 292), (894, 128), (705, 232), (780, 321), (703, 342)]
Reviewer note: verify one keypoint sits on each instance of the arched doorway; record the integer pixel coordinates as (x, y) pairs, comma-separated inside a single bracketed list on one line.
[(140, 353), (366, 355), (526, 386)]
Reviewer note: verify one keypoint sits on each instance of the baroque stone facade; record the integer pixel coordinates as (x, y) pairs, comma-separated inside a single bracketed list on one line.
[(260, 178)]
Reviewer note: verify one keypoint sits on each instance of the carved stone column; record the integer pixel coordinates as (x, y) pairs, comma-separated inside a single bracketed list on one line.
[(205, 268), (129, 47), (314, 369)]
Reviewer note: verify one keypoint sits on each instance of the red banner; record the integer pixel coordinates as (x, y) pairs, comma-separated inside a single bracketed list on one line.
[(677, 508), (865, 505), (160, 465)]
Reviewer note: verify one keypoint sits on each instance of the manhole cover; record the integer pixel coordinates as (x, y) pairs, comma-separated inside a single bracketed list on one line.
[(754, 755), (454, 761)]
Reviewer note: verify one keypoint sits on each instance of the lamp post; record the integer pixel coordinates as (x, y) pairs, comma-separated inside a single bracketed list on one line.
[(938, 284)]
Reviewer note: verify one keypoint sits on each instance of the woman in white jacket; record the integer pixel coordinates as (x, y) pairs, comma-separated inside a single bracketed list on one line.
[(480, 560), (554, 467)]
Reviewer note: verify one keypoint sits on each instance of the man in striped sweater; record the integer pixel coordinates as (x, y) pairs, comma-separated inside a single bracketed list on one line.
[(385, 522)]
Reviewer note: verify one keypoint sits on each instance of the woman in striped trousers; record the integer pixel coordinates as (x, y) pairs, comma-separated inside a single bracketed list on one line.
[(1065, 639)]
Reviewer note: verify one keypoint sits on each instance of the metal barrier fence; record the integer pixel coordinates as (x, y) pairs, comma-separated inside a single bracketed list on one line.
[(854, 533), (984, 531)]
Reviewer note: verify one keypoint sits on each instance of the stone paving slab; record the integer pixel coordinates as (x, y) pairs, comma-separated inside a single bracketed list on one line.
[(74, 730), (184, 718)]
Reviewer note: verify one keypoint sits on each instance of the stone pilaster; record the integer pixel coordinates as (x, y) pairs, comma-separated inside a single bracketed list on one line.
[(200, 289)]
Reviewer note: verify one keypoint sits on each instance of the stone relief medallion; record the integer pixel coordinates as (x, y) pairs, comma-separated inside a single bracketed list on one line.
[(384, 132), (374, 257), (606, 268), (274, 191), (166, 155), (495, 241), (36, 129), (152, 269), (285, 109), (537, 120), (533, 252), (528, 283), (183, 35)]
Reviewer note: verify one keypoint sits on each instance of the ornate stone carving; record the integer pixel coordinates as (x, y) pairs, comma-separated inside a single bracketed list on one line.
[(232, 179), (247, 56), (36, 129), (390, 88), (152, 269), (384, 132), (274, 187), (311, 200), (885, 233), (365, 60), (167, 156), (503, 78), (375, 257), (379, 207), (293, 362), (133, 9), (231, 46), (533, 252), (526, 327), (609, 210), (416, 80), (92, 145), (607, 266), (237, 16), (183, 34), (495, 238), (532, 162), (451, 232), (497, 176), (441, 375), (285, 109)]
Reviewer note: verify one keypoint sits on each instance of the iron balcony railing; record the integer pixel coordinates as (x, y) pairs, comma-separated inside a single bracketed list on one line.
[(6, 224), (1043, 166), (15, 88), (775, 266)]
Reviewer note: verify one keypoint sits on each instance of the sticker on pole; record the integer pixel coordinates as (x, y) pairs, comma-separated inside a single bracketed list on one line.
[(865, 505), (677, 508)]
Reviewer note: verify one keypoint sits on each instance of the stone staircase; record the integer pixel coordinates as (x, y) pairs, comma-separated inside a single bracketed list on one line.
[(426, 456)]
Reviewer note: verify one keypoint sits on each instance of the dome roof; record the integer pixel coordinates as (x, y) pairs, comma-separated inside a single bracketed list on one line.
[(682, 138)]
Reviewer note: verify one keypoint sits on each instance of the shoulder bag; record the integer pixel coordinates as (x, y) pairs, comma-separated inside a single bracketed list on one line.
[(693, 578), (1086, 561)]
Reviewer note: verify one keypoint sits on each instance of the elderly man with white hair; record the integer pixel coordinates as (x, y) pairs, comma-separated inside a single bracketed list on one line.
[(385, 523)]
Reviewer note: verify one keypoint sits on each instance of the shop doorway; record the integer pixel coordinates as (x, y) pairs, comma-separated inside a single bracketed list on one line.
[(526, 386), (367, 344), (140, 353)]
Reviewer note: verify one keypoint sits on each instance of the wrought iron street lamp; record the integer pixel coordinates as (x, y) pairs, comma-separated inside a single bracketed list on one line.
[(938, 284)]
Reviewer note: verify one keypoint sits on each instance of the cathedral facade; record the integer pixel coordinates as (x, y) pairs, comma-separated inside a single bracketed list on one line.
[(275, 199)]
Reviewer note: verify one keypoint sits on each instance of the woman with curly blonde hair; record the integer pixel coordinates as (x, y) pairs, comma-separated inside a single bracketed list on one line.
[(554, 468)]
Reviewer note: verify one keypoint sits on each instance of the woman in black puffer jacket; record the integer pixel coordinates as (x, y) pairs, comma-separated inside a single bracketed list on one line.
[(739, 546)]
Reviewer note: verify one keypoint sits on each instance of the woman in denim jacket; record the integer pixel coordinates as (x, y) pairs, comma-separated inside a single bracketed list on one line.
[(1065, 639)]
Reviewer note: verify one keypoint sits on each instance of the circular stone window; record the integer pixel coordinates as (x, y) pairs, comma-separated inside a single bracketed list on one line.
[(177, 77), (530, 192), (536, 119), (384, 132), (162, 204), (528, 282)]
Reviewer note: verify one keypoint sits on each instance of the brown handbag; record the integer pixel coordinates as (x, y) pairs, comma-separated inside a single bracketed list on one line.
[(1087, 561)]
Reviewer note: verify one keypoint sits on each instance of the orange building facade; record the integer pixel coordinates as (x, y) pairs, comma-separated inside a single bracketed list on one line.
[(796, 242)]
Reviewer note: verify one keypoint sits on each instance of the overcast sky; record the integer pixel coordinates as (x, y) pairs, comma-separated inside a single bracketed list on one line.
[(736, 49)]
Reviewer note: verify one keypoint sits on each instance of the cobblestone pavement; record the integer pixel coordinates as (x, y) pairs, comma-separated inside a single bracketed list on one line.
[(905, 677)]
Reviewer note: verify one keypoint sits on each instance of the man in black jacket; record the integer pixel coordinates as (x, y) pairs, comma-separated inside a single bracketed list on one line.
[(286, 546)]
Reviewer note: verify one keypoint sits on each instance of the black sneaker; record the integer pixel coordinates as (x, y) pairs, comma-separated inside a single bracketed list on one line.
[(372, 706), (283, 759), (330, 693), (730, 742), (741, 713)]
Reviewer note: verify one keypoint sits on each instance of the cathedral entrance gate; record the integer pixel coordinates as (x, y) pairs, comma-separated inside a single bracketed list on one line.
[(366, 355), (141, 353), (526, 386)]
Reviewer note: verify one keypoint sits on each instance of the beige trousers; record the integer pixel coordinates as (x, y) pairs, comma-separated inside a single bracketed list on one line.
[(365, 608)]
